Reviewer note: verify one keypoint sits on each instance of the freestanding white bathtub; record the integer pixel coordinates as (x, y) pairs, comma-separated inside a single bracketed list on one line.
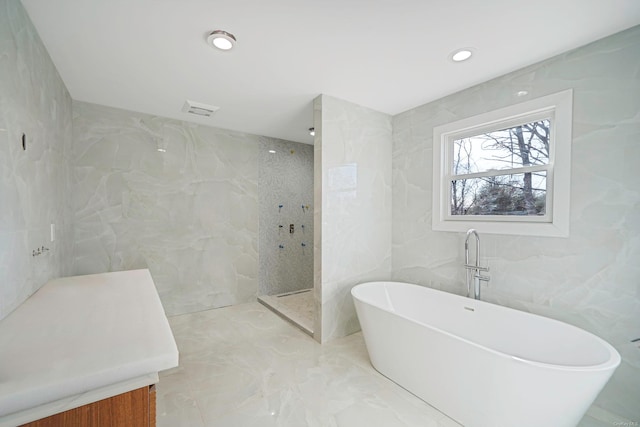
[(482, 364)]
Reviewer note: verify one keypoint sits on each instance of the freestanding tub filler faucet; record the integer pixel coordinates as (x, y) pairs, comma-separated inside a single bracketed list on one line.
[(473, 271)]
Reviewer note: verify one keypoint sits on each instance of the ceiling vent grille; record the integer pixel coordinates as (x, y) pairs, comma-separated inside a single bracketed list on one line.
[(199, 109)]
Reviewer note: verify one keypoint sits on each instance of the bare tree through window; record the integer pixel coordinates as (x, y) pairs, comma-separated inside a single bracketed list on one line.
[(502, 172)]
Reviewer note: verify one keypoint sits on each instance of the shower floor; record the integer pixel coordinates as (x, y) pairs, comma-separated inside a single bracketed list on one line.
[(296, 307)]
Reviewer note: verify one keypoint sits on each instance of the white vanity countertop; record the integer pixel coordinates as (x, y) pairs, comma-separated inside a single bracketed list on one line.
[(82, 333)]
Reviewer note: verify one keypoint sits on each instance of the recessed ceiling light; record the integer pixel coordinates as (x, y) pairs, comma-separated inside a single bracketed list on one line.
[(272, 151), (221, 40), (312, 131), (461, 54), (162, 150), (522, 93)]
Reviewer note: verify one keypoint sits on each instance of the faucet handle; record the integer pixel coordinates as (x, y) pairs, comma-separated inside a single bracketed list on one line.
[(475, 267)]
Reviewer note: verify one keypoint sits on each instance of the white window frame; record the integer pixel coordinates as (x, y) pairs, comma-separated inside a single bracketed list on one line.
[(555, 223)]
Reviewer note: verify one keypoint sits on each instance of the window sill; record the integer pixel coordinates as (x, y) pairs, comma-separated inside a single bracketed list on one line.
[(539, 229)]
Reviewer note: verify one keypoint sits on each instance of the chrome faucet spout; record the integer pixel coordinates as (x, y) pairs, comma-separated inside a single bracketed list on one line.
[(473, 232)]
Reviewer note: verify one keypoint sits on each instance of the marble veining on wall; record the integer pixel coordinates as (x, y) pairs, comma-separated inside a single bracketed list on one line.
[(285, 189), (177, 198), (35, 184), (353, 183), (589, 279)]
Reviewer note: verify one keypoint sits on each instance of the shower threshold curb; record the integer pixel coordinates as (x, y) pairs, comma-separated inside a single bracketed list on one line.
[(270, 301)]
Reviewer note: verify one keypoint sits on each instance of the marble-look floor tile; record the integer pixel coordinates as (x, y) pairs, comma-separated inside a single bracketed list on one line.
[(176, 406), (245, 366)]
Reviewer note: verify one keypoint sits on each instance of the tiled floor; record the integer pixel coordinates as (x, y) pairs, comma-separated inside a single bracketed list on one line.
[(243, 366), (296, 307)]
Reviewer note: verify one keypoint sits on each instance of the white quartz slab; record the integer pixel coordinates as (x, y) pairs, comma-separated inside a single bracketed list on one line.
[(81, 333)]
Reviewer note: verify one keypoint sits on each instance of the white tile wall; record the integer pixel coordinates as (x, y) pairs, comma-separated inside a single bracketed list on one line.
[(35, 185), (353, 202), (592, 278), (189, 214)]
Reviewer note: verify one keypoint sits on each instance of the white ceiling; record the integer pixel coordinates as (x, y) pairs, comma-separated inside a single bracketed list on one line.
[(389, 55)]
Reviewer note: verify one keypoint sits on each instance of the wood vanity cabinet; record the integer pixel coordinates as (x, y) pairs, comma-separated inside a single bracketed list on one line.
[(136, 408), (87, 337)]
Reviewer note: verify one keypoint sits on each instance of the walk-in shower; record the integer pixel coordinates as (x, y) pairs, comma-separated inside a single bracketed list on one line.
[(285, 244)]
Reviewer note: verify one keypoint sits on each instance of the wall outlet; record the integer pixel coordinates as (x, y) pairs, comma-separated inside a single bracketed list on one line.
[(53, 232)]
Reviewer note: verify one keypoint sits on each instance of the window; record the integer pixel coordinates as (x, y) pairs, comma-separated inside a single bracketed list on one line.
[(506, 171)]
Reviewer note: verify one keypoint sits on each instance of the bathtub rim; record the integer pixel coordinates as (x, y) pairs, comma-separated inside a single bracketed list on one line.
[(611, 363)]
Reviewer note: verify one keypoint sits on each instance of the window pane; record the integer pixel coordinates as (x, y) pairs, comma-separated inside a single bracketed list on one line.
[(518, 146), (518, 194)]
